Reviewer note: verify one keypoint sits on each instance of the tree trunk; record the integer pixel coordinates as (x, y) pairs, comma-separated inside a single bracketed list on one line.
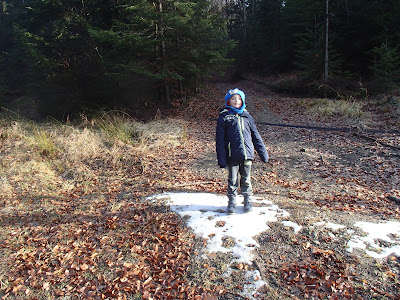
[(326, 73), (244, 21), (276, 32), (164, 90)]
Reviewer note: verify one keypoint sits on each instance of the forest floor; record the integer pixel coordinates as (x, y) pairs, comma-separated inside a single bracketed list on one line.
[(76, 222), (316, 176)]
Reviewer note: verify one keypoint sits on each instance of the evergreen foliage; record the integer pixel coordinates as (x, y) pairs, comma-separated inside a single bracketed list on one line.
[(110, 53), (290, 35), (96, 53), (386, 66)]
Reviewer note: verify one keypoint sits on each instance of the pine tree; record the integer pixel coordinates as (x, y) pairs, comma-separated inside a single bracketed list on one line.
[(268, 50), (385, 67), (104, 51), (172, 43)]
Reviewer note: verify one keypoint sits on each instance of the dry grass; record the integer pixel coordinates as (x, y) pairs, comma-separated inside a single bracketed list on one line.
[(46, 159), (54, 173), (345, 110), (167, 133), (43, 141), (79, 145), (328, 107)]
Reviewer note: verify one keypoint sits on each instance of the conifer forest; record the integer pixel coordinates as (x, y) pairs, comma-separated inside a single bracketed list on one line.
[(76, 54)]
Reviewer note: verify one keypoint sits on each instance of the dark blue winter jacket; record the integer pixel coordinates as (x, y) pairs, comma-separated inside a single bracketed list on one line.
[(237, 137)]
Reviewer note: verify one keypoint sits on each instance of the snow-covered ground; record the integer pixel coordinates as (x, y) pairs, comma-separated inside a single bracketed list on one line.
[(207, 217)]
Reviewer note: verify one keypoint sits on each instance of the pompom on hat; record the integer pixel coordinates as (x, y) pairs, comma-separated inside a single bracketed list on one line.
[(229, 95)]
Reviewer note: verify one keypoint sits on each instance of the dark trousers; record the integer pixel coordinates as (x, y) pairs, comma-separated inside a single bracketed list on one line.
[(240, 169)]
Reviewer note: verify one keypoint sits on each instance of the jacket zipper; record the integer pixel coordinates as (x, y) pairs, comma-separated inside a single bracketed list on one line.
[(241, 126), (229, 149)]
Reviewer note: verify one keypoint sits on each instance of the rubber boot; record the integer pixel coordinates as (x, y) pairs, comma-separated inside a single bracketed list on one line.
[(248, 204), (231, 210)]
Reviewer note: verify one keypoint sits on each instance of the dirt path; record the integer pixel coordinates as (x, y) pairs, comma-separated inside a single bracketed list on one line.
[(317, 176)]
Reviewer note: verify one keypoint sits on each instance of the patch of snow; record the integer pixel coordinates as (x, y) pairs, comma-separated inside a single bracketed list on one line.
[(330, 225), (375, 232), (208, 219), (296, 227), (253, 282), (206, 215)]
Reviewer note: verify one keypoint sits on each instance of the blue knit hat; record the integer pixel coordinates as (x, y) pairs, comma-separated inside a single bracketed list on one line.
[(229, 95)]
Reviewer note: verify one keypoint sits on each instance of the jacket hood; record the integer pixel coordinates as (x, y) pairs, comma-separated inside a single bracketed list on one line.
[(229, 95)]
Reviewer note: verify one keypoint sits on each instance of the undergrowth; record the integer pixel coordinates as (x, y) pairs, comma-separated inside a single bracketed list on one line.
[(342, 109), (35, 154)]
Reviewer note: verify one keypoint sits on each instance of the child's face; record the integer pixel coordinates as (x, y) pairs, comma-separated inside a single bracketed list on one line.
[(236, 101)]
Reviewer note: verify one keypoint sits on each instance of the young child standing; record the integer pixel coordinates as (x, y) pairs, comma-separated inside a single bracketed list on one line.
[(236, 138)]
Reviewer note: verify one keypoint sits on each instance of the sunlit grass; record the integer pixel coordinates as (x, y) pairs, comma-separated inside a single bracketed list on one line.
[(346, 110), (163, 133), (118, 126), (45, 157), (43, 141)]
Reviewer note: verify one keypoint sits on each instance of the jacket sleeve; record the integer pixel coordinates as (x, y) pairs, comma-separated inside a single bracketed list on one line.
[(220, 143), (258, 142)]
